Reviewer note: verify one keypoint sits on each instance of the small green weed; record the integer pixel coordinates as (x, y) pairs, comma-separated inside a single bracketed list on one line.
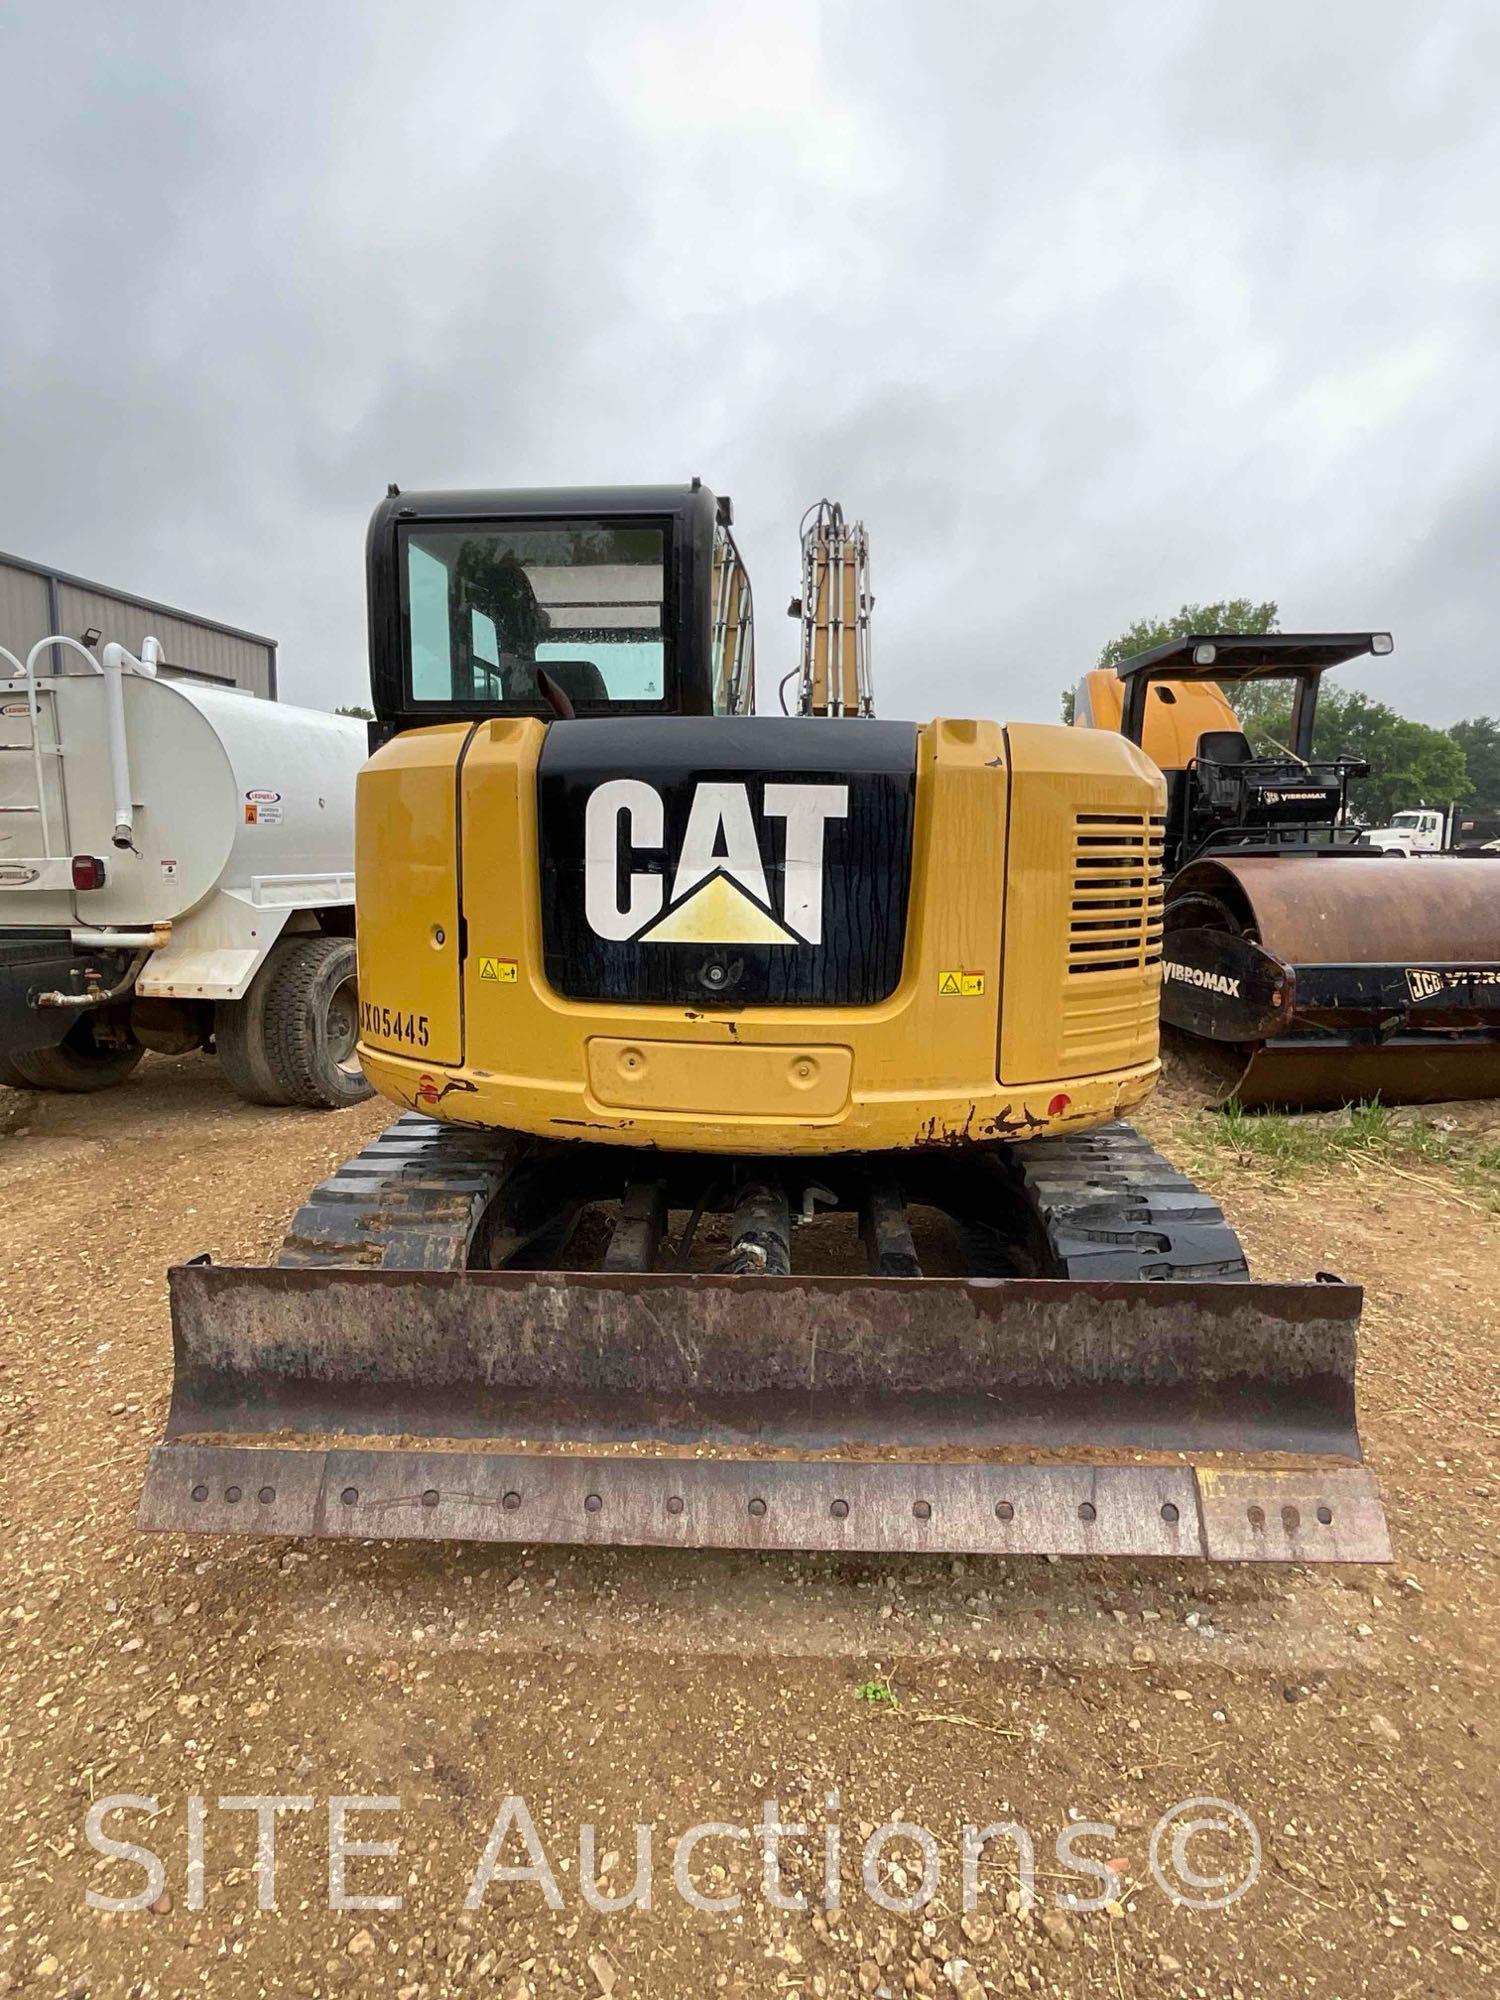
[(878, 1693)]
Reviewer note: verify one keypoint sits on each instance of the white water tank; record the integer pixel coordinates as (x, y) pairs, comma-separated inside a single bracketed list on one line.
[(242, 814)]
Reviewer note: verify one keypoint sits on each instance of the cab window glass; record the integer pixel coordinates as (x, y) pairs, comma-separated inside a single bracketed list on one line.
[(485, 607)]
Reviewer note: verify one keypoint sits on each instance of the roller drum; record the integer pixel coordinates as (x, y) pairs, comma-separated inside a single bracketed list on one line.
[(1323, 979)]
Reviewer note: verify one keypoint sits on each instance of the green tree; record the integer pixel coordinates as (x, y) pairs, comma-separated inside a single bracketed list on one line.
[(363, 714), (1230, 614), (1480, 742), (1411, 764)]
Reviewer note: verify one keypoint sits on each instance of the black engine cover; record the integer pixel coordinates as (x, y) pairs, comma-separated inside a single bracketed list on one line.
[(735, 860)]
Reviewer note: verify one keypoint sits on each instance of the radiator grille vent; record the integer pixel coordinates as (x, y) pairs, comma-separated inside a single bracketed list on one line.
[(1115, 922)]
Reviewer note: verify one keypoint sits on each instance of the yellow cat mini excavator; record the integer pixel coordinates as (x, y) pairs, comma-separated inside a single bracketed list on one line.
[(760, 1181)]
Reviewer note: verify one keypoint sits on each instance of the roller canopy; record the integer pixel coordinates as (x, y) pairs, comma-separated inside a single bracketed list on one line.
[(1236, 656)]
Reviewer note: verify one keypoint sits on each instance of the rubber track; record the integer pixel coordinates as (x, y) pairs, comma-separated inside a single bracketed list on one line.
[(411, 1201), (1113, 1207)]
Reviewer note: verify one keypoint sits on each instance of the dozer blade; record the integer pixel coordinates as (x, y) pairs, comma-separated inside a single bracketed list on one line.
[(856, 1414)]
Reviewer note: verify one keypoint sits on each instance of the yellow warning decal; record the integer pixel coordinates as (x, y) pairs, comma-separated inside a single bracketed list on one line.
[(498, 971), (960, 985)]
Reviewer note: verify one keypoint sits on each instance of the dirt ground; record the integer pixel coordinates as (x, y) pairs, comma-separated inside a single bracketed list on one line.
[(1351, 1715)]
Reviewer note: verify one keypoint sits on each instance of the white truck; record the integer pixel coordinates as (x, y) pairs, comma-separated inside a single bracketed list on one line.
[(176, 872), (1435, 830)]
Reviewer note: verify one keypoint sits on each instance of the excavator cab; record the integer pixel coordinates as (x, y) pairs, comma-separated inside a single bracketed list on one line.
[(578, 602)]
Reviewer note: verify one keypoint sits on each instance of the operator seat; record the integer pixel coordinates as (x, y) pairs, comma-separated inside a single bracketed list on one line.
[(1224, 746), (1220, 786)]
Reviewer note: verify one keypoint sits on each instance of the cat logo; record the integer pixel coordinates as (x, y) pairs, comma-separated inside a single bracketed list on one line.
[(718, 893)]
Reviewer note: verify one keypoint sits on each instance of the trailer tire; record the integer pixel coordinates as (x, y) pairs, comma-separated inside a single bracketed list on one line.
[(79, 1062), (312, 1024)]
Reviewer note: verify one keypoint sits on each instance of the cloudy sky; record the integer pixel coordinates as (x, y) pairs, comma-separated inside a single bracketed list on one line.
[(1087, 309)]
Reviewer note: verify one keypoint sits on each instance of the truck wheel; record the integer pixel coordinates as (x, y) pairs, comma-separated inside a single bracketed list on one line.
[(240, 1038), (312, 1024), (82, 1060)]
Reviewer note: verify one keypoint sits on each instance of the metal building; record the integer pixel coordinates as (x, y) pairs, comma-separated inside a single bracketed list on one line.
[(36, 601)]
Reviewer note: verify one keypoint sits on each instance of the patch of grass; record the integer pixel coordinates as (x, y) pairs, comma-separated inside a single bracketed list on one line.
[(1270, 1137), (878, 1693), (1323, 1139), (1323, 1142)]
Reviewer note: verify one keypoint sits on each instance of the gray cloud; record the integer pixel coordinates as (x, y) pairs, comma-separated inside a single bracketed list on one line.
[(1087, 310)]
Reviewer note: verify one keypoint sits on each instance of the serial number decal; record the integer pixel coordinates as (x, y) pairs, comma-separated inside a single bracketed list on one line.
[(389, 1024)]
